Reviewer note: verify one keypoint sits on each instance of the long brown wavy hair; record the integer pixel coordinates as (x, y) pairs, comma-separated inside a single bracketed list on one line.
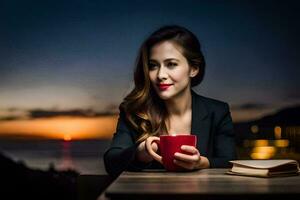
[(145, 111)]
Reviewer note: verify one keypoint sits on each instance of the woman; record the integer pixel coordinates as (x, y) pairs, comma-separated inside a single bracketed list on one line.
[(169, 63)]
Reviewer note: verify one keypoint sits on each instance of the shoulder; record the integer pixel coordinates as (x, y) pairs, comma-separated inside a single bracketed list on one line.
[(210, 104), (209, 108)]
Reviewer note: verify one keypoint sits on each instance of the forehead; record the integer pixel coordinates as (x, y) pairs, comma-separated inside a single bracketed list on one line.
[(165, 50)]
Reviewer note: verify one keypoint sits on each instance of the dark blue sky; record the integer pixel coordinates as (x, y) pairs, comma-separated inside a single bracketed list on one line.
[(80, 54)]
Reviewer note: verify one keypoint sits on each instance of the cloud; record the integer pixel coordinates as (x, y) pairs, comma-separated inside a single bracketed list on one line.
[(12, 109), (250, 106), (51, 113), (113, 108), (10, 118), (292, 95), (40, 113)]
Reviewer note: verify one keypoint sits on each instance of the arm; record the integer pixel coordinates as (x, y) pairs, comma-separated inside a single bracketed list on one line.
[(224, 142), (121, 155)]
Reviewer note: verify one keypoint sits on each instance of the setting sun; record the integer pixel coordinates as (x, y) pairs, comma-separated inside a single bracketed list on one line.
[(66, 128), (67, 137)]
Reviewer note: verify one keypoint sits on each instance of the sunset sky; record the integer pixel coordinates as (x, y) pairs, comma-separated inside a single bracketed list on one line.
[(62, 61)]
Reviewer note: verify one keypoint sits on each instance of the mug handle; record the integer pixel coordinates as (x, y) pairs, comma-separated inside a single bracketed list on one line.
[(154, 155)]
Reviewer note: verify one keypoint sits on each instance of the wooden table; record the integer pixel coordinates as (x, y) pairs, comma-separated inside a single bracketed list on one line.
[(203, 184)]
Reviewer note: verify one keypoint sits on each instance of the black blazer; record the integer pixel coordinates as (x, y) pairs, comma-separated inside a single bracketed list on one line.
[(211, 122)]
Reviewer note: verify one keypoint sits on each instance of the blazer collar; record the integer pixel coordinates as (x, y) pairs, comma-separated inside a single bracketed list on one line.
[(200, 122), (199, 110)]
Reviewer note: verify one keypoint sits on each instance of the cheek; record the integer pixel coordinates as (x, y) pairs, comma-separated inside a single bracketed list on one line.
[(152, 76), (180, 75)]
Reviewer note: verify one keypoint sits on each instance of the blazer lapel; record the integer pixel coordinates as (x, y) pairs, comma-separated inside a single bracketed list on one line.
[(200, 123)]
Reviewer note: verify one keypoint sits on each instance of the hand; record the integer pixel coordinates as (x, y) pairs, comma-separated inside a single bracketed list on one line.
[(142, 151), (190, 162)]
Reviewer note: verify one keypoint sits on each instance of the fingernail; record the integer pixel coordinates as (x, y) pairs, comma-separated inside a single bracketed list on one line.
[(183, 147)]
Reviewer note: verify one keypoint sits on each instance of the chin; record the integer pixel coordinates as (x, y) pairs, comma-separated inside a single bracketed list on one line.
[(165, 95)]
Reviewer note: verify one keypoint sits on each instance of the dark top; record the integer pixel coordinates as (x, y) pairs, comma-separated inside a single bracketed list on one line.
[(211, 122)]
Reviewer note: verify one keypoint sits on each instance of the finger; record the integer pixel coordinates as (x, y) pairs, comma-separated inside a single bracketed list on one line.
[(154, 146), (183, 164), (190, 149), (187, 158), (153, 137), (150, 144)]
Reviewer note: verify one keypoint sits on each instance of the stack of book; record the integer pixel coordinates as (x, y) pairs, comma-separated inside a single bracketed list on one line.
[(264, 168)]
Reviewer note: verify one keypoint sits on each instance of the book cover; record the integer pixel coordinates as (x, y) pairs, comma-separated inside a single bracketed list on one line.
[(264, 168)]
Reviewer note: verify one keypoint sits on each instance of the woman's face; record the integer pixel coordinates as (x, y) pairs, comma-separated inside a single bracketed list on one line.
[(169, 71)]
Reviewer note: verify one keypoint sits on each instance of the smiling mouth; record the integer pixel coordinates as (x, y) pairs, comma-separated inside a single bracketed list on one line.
[(164, 86)]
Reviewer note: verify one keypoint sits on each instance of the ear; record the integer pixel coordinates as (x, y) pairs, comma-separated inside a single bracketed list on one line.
[(194, 71)]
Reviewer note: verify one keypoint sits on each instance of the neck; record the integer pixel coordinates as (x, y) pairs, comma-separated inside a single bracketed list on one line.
[(180, 104)]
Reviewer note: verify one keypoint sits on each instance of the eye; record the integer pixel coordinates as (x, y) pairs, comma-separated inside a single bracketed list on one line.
[(172, 64), (152, 66)]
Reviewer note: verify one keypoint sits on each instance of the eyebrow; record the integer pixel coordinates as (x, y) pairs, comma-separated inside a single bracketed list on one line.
[(168, 59)]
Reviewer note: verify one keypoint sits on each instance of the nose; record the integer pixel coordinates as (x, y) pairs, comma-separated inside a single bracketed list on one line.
[(162, 74)]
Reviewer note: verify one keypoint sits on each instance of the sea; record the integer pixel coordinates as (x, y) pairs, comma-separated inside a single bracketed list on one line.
[(84, 156)]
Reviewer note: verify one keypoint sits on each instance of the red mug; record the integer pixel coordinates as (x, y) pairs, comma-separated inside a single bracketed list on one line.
[(168, 146)]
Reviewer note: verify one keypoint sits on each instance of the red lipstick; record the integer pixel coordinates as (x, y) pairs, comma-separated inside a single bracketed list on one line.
[(163, 86)]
